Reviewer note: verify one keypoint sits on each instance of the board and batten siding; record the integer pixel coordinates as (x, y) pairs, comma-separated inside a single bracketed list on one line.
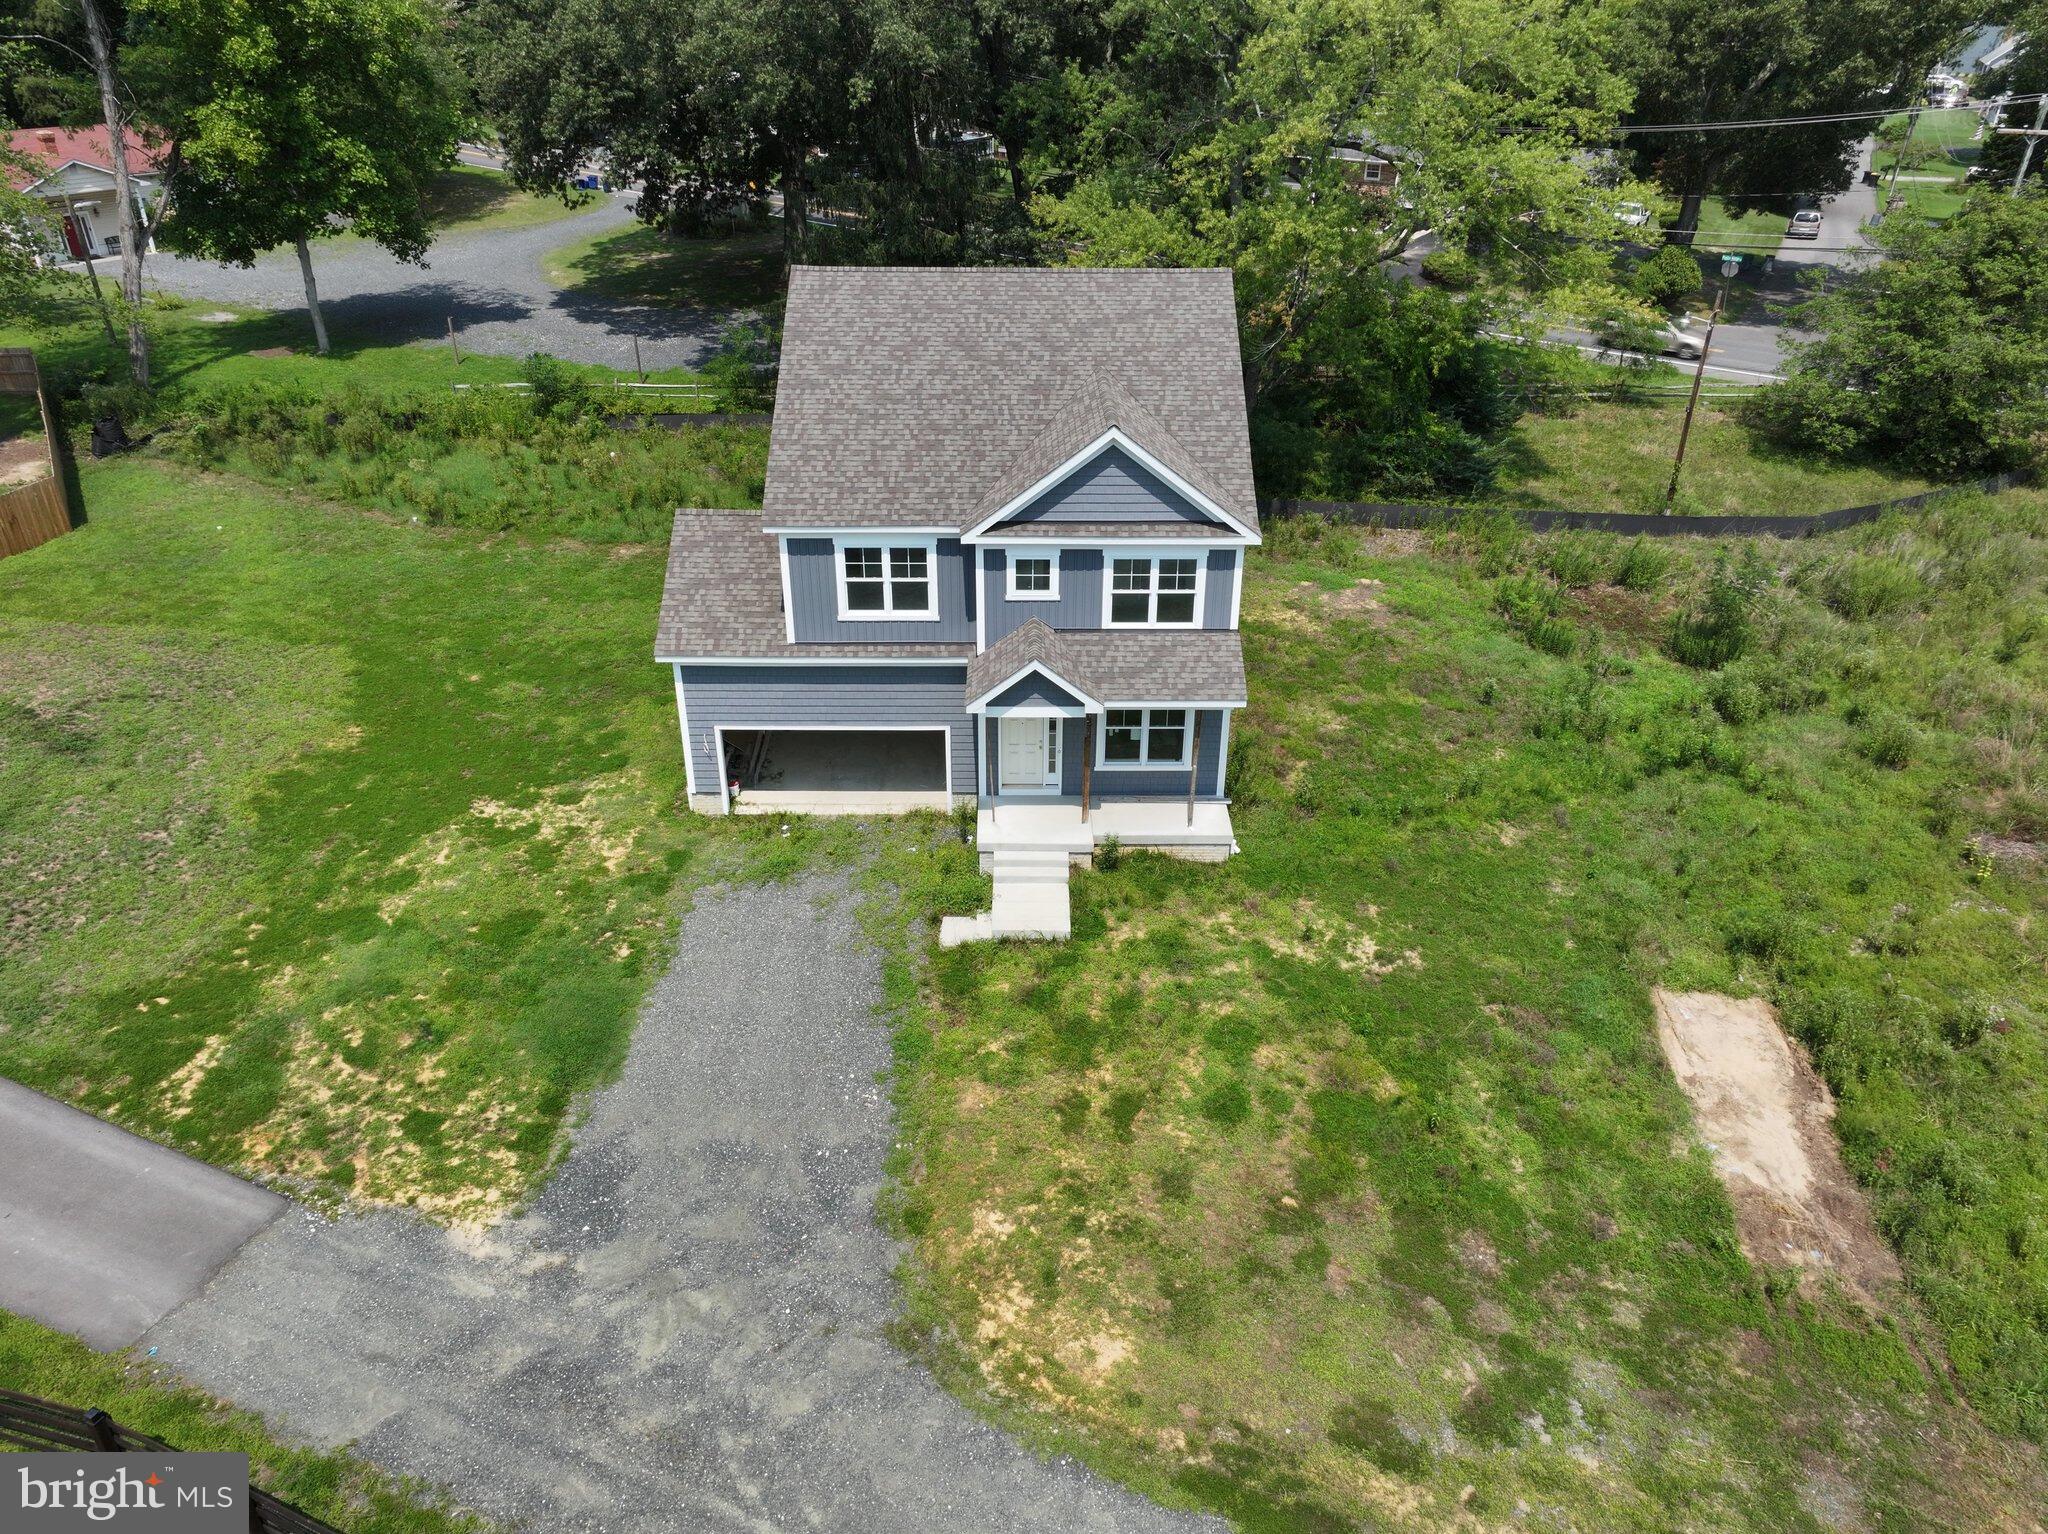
[(1080, 599), (1112, 487), (1132, 783), (814, 598), (744, 697)]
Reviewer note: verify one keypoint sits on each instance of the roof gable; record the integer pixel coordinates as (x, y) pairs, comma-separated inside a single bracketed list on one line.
[(925, 396)]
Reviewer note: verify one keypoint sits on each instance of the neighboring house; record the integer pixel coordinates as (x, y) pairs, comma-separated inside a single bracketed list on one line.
[(78, 184), (999, 562), (1369, 167)]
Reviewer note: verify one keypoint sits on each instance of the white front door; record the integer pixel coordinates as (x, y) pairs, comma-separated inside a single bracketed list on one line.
[(1030, 754)]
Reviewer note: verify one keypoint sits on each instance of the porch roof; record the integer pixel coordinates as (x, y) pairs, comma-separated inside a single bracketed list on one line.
[(1105, 668)]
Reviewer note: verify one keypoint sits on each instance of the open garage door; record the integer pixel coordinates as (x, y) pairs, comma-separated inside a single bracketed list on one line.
[(838, 771)]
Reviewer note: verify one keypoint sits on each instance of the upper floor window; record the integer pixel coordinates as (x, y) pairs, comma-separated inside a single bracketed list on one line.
[(886, 580), (1034, 578), (1158, 590)]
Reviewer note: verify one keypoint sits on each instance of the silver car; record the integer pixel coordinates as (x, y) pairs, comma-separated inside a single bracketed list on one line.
[(1805, 225)]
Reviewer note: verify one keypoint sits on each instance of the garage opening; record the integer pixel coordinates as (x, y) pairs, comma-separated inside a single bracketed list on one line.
[(837, 772)]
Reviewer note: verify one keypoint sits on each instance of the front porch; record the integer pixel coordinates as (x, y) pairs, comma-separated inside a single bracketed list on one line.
[(1202, 832)]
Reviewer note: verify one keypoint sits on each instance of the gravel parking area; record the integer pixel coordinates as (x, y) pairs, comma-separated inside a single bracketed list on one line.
[(686, 1330), (489, 283)]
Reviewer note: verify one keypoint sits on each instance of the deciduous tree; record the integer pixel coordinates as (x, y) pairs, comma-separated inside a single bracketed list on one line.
[(292, 118), (1935, 356)]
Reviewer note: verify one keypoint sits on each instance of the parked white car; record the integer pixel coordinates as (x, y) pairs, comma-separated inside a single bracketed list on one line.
[(1633, 214), (1805, 225)]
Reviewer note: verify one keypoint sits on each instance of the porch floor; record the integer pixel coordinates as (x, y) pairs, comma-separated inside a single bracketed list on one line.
[(1019, 825)]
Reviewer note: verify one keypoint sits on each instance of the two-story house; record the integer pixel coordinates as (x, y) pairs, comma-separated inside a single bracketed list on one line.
[(1000, 560)]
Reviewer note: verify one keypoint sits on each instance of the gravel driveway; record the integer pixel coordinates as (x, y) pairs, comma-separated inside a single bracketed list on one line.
[(490, 282), (686, 1330)]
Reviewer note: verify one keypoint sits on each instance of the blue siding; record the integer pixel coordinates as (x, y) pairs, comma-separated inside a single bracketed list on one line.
[(1220, 583), (1079, 606), (814, 591), (742, 696), (1120, 784), (1080, 603), (1112, 487), (1034, 689)]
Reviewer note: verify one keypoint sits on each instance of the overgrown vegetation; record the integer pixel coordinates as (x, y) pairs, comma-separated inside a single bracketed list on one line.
[(337, 1488), (1345, 1182), (542, 461), (1935, 357)]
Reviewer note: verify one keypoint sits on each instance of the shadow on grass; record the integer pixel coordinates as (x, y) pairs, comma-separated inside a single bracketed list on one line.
[(648, 266)]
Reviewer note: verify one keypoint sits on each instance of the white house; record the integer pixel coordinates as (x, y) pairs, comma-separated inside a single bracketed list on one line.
[(77, 181)]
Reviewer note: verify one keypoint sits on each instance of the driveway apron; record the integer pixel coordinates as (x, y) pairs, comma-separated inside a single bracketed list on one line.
[(686, 1331)]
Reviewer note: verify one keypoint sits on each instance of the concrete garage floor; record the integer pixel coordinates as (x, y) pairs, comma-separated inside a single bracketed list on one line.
[(686, 1330), (847, 772)]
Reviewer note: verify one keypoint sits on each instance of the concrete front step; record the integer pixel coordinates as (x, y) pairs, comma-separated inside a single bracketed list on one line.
[(1032, 910), (1031, 867)]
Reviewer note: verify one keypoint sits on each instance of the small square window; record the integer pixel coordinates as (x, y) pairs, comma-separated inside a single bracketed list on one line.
[(1031, 575)]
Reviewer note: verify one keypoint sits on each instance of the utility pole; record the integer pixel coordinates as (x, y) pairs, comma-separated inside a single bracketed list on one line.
[(2033, 136), (1731, 263)]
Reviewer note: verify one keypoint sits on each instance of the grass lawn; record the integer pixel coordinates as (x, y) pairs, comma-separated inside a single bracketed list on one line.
[(1605, 456), (1344, 1185), (648, 266), (1740, 226), (336, 1488), (340, 849), (470, 199)]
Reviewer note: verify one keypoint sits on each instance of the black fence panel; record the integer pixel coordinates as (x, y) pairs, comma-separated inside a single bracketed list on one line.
[(29, 1422)]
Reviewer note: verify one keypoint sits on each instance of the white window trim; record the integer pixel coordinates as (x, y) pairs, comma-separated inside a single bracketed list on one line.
[(1010, 591), (1187, 740), (887, 543), (1109, 560)]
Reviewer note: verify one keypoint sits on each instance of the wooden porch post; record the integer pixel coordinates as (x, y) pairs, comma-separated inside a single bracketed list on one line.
[(1194, 765), (1087, 761), (982, 725)]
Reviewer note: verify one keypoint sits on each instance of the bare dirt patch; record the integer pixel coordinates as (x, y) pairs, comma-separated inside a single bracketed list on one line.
[(1767, 1117), (23, 461), (1619, 611)]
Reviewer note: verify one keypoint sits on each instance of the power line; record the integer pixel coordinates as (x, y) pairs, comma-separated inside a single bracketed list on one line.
[(1823, 117)]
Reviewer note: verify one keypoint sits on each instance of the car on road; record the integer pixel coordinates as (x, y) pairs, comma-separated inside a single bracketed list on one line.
[(1675, 340), (1805, 225)]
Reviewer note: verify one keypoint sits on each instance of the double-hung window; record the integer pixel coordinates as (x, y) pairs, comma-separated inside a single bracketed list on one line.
[(1034, 578), (1147, 590), (886, 580), (1145, 737)]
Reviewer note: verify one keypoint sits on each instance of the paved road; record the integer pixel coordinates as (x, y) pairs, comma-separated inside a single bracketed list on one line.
[(685, 1332), (490, 282), (101, 1232)]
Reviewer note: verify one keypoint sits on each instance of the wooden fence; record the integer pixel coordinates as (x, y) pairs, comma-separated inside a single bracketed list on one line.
[(38, 511), (29, 1422), (1399, 514)]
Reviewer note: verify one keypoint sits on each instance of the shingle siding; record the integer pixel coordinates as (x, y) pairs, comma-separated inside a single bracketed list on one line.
[(814, 594), (747, 696)]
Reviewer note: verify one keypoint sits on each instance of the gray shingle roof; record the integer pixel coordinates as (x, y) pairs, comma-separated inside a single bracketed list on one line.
[(1097, 404), (1030, 643), (907, 393), (723, 597), (1119, 666)]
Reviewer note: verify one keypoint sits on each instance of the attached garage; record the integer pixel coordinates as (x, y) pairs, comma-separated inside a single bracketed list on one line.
[(804, 770)]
